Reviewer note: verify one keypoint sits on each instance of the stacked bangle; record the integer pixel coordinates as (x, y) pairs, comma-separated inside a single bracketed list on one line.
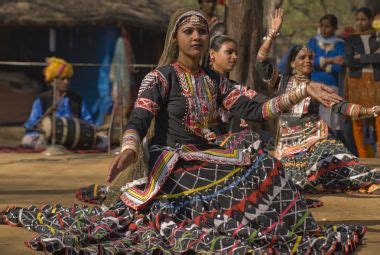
[(271, 35)]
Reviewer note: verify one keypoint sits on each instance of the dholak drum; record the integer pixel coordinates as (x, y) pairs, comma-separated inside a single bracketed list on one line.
[(72, 133)]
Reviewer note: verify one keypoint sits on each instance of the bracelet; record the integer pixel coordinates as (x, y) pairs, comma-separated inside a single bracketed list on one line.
[(272, 32), (271, 35)]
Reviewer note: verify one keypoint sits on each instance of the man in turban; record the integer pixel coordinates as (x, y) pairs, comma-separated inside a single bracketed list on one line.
[(68, 103)]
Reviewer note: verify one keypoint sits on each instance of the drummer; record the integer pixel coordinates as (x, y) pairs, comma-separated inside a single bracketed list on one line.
[(69, 104)]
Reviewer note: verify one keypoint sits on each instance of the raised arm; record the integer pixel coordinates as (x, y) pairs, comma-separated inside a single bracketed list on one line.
[(266, 70), (276, 23)]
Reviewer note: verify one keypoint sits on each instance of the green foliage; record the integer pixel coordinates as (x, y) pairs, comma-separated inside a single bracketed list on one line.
[(192, 3), (301, 17)]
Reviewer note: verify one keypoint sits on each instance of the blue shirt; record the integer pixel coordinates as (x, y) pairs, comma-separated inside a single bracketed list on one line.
[(63, 110), (326, 48)]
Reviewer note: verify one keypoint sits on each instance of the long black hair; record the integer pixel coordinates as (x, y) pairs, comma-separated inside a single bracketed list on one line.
[(293, 52)]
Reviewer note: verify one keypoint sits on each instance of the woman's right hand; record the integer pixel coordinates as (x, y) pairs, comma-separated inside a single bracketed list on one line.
[(122, 161), (323, 94)]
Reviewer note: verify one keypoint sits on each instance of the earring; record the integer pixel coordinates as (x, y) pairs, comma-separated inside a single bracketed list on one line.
[(212, 60)]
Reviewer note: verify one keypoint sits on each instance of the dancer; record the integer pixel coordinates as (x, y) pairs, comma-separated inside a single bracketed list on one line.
[(315, 161), (199, 197), (223, 57)]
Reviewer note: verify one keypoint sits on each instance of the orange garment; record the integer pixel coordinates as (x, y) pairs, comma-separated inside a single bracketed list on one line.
[(364, 91), (364, 150)]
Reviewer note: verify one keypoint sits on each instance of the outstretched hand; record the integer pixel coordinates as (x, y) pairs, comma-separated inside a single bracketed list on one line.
[(323, 94), (122, 161), (276, 20)]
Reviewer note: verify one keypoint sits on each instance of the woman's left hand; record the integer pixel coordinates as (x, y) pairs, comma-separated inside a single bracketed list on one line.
[(323, 94)]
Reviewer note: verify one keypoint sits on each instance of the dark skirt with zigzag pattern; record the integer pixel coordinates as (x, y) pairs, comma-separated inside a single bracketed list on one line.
[(202, 207), (328, 166)]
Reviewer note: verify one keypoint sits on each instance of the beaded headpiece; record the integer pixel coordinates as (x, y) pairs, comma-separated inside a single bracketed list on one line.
[(178, 19), (307, 49), (193, 17)]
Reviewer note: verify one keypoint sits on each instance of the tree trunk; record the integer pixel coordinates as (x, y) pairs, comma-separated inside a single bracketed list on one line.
[(244, 24)]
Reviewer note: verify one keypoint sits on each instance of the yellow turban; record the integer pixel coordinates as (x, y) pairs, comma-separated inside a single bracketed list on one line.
[(376, 23), (57, 68)]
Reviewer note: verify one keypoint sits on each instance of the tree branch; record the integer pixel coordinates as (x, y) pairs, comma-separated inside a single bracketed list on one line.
[(323, 6)]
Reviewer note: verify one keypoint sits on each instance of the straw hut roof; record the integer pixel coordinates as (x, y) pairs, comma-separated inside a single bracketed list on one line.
[(149, 14)]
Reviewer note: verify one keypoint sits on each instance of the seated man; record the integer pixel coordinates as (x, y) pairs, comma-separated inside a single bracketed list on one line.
[(69, 104)]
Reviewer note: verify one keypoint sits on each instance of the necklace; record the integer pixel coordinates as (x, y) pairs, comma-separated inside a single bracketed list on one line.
[(301, 77), (187, 69)]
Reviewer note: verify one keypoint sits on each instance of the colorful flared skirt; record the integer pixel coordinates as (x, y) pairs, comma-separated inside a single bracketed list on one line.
[(203, 206), (328, 166)]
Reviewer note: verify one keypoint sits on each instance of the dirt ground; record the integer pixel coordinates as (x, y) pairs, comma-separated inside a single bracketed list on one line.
[(36, 179)]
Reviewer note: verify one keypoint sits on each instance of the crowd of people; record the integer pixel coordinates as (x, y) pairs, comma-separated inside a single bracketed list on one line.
[(210, 193), (350, 66)]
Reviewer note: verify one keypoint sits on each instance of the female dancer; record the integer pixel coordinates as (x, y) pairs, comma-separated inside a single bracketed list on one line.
[(199, 196), (315, 161)]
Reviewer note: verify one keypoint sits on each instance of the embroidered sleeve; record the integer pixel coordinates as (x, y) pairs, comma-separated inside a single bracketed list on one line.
[(269, 74), (131, 141), (355, 111), (152, 95), (250, 105), (280, 104)]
